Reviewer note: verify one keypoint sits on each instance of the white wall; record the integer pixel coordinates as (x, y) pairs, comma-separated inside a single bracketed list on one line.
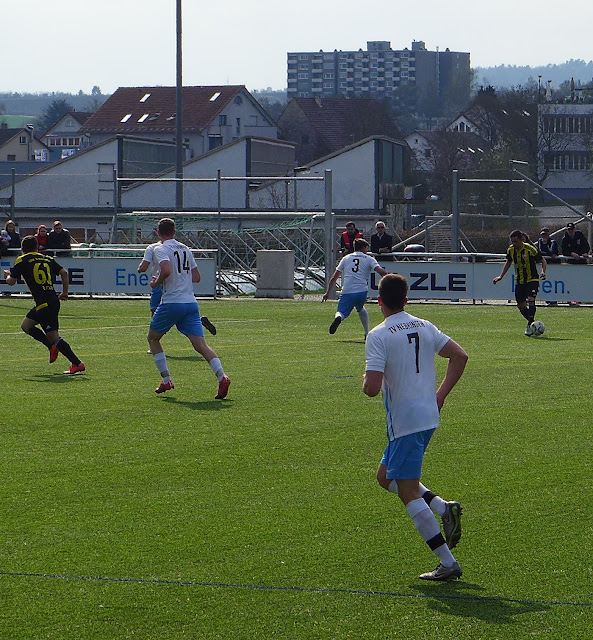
[(71, 183)]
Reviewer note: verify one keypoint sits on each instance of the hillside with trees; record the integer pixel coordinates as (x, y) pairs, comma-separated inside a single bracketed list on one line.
[(506, 76)]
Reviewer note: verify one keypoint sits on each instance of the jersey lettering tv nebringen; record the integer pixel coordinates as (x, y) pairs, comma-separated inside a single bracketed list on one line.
[(403, 348)]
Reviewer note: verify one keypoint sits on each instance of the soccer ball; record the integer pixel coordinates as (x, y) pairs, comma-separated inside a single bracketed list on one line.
[(538, 327)]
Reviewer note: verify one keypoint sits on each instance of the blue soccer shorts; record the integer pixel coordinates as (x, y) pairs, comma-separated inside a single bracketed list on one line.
[(403, 456), (185, 316), (155, 297), (348, 301)]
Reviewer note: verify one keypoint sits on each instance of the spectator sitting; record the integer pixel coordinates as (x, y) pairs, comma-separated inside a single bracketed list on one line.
[(59, 238), (348, 237), (380, 241), (575, 245), (547, 246), (41, 236), (14, 239), (4, 242)]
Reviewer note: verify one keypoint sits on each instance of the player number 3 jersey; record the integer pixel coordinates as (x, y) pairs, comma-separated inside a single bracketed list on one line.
[(403, 348), (356, 268)]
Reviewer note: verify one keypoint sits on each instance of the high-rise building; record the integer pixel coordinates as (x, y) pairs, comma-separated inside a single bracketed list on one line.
[(380, 71)]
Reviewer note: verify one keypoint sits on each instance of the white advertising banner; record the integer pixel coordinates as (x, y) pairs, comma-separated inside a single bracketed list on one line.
[(113, 275), (473, 281)]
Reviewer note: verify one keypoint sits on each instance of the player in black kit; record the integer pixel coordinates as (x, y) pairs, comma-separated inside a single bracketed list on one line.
[(39, 271)]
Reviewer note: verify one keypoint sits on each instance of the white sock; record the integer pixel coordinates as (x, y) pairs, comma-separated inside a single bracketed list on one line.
[(160, 359), (363, 314), (436, 503), (428, 527), (216, 367)]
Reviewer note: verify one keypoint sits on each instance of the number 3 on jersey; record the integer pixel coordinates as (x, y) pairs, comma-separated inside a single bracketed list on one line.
[(182, 265)]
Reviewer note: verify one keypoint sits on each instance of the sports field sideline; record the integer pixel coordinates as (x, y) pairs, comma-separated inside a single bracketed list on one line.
[(129, 515)]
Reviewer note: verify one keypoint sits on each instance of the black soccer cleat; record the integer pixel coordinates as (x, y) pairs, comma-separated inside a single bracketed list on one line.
[(206, 323), (333, 327)]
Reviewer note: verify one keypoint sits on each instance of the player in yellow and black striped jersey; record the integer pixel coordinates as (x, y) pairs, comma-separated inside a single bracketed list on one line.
[(39, 272), (524, 257)]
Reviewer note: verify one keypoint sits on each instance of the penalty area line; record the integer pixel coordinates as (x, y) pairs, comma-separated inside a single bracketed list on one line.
[(294, 589)]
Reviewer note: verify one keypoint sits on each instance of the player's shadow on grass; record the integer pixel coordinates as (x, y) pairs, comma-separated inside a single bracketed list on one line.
[(55, 378), (199, 405), (461, 599), (190, 356), (351, 341)]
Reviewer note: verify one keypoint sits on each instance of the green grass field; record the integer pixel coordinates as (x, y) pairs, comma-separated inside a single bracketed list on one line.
[(131, 515)]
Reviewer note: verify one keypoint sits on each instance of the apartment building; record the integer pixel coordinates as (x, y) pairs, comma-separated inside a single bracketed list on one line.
[(565, 143), (380, 71)]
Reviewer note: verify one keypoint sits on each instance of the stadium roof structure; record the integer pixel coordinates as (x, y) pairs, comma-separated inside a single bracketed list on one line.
[(134, 110)]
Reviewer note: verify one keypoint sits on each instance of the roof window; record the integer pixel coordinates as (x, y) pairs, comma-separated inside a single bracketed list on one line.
[(126, 117), (145, 97), (213, 98), (143, 117)]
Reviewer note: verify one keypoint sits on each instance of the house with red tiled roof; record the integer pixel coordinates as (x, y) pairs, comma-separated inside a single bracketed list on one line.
[(212, 116), (320, 126), (64, 139)]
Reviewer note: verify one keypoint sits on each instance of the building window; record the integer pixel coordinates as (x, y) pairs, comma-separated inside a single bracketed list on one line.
[(222, 120), (11, 157), (238, 127), (214, 141), (23, 139)]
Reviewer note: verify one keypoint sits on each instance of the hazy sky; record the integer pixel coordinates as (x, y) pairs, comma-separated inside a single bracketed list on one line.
[(68, 45)]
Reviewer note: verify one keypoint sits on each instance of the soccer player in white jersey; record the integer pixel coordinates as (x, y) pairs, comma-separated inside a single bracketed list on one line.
[(157, 293), (400, 362), (177, 273), (356, 267)]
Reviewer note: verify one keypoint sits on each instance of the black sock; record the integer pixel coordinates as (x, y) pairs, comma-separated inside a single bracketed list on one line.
[(525, 313), (531, 312), (66, 350), (37, 334)]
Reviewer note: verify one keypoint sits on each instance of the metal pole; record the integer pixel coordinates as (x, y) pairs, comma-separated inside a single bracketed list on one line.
[(114, 222), (13, 192), (179, 118), (455, 213), (329, 228), (219, 232)]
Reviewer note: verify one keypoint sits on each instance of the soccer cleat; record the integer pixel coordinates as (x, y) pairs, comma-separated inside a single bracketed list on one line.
[(443, 574), (452, 523), (75, 368), (206, 323), (53, 353), (165, 386), (333, 327), (529, 330), (223, 388)]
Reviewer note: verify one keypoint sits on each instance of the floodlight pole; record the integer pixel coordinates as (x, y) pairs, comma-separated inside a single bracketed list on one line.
[(179, 118)]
